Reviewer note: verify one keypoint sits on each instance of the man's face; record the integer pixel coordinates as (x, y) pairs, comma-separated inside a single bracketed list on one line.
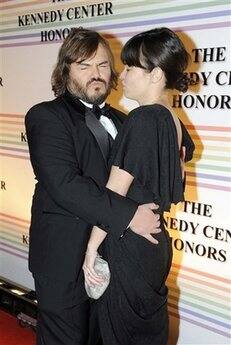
[(89, 79)]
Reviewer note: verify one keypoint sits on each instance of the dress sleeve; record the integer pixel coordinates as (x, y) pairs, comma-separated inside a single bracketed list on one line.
[(136, 147), (188, 143), (147, 148)]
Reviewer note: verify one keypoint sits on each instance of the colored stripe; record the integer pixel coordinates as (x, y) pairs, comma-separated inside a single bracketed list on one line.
[(201, 273), (7, 234), (12, 122), (11, 230), (13, 242), (189, 127), (122, 24), (13, 217), (209, 186), (199, 281), (199, 290), (126, 34), (14, 254), (174, 292), (13, 149), (208, 167), (208, 176), (13, 247), (199, 307), (14, 156), (13, 223), (10, 142), (19, 116), (208, 128), (196, 323), (200, 148), (200, 316), (210, 138), (128, 5), (211, 157)]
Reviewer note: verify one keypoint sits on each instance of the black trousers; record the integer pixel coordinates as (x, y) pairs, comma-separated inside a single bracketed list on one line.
[(63, 313)]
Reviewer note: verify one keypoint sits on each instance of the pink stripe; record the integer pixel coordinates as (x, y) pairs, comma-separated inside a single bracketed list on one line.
[(14, 156), (12, 253), (13, 223), (201, 273), (198, 324), (209, 128), (12, 122), (214, 286), (126, 34), (15, 218), (209, 186), (12, 115)]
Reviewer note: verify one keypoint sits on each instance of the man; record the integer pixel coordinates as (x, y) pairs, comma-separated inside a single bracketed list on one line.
[(69, 149)]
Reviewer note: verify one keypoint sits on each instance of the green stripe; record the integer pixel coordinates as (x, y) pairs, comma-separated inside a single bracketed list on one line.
[(19, 245), (208, 167), (197, 298), (5, 227), (20, 143), (211, 158), (9, 235), (201, 148), (198, 306), (171, 283), (115, 17), (10, 135)]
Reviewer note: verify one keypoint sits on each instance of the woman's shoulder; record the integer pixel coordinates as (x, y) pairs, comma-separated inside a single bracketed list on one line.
[(152, 113), (147, 110)]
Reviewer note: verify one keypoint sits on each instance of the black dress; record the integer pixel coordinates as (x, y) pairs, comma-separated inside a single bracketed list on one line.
[(133, 310)]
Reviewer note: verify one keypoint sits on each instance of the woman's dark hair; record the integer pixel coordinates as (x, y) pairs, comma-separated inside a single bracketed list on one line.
[(161, 48), (79, 44)]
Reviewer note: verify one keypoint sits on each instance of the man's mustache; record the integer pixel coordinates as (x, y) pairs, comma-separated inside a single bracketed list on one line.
[(96, 79)]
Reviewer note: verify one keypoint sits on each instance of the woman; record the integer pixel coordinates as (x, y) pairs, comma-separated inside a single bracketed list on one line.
[(147, 166)]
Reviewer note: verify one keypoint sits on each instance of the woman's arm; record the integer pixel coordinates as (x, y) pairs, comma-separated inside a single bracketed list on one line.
[(119, 182)]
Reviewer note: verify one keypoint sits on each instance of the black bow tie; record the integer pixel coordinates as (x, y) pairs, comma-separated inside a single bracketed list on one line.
[(105, 111)]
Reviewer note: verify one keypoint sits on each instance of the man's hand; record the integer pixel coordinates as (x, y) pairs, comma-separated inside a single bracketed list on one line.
[(145, 222)]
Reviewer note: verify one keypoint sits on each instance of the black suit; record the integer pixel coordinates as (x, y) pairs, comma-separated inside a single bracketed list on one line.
[(69, 198)]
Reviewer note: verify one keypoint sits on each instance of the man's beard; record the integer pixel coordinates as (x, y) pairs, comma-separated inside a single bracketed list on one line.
[(80, 91)]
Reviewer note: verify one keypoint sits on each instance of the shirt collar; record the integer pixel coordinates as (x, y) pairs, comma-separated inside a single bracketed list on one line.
[(89, 105)]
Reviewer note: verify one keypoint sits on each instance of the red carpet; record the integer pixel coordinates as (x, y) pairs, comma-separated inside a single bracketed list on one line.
[(13, 334)]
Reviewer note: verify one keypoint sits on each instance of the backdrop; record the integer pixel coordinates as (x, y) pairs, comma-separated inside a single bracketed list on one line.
[(31, 34)]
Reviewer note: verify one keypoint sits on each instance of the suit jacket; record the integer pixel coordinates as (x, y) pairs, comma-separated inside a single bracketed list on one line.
[(70, 195)]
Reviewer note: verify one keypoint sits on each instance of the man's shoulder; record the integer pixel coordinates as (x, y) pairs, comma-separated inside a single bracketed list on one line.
[(46, 109), (47, 105)]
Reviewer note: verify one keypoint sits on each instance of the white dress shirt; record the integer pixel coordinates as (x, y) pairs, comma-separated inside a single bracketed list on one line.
[(104, 120)]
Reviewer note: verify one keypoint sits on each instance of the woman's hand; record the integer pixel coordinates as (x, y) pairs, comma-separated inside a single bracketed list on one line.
[(91, 277)]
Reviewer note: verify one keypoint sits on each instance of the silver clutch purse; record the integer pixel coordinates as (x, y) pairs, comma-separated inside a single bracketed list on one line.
[(101, 267)]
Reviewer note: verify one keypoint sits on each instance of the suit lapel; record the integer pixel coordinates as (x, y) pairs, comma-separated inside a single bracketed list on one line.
[(78, 111), (99, 132)]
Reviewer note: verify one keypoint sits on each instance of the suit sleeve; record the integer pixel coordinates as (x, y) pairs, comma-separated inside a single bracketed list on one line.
[(55, 166)]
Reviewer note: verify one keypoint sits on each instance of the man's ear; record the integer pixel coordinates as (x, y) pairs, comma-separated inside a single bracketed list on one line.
[(156, 74)]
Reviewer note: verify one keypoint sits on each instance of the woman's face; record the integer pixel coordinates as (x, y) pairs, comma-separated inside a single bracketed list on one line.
[(136, 83)]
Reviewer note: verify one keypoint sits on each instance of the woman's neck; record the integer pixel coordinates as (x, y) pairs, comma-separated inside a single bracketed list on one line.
[(161, 98)]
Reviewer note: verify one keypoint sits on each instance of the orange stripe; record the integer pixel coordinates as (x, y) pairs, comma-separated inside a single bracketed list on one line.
[(208, 275), (209, 128), (15, 218), (210, 137), (12, 122), (214, 286), (23, 4)]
